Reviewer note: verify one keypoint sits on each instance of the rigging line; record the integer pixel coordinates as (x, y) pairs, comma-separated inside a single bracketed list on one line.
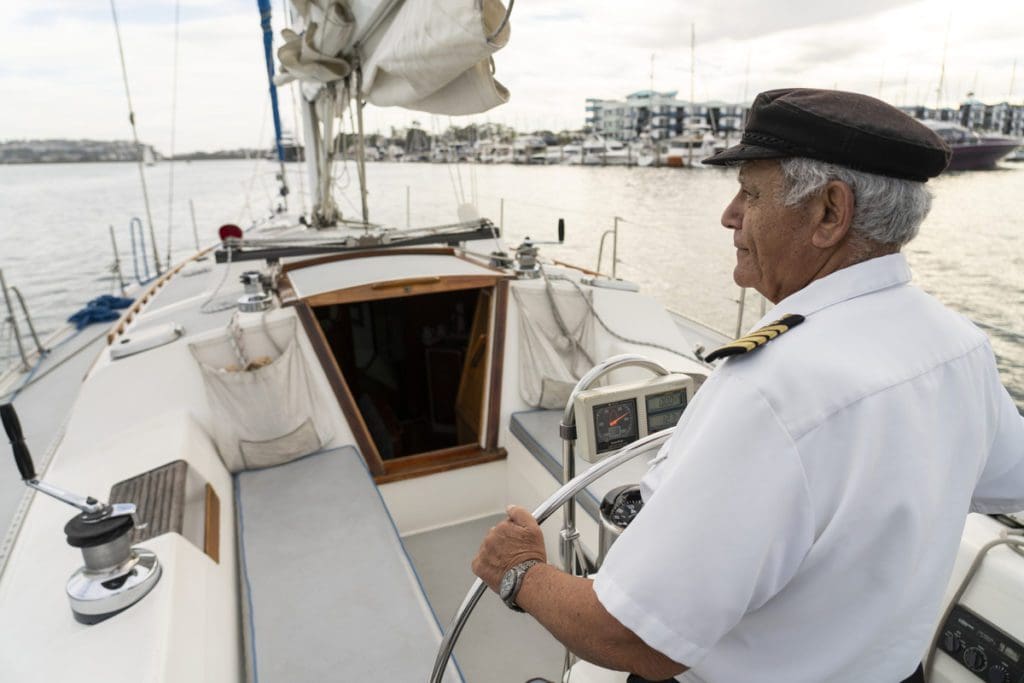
[(458, 171), (459, 199), (299, 143), (135, 136), (255, 168), (472, 185), (174, 121)]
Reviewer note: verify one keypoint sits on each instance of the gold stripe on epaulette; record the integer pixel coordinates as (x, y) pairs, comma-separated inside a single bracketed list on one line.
[(756, 339)]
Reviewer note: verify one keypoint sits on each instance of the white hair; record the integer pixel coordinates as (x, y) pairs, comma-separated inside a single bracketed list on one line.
[(886, 210)]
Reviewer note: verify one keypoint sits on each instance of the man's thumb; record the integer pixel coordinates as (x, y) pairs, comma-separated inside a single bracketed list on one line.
[(520, 516)]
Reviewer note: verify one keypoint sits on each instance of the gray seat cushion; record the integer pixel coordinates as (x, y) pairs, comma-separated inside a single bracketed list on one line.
[(330, 593)]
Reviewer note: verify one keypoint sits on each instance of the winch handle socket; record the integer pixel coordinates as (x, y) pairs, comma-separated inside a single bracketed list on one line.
[(21, 455)]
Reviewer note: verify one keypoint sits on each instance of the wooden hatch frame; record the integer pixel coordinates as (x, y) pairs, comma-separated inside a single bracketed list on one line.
[(430, 462)]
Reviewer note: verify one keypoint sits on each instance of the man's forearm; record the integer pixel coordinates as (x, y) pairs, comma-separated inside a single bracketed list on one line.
[(568, 607)]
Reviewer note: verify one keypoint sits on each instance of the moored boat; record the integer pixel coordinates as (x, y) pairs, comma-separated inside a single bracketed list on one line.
[(318, 425), (972, 151)]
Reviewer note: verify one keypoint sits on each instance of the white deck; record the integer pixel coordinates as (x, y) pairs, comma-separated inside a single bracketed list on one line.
[(146, 410)]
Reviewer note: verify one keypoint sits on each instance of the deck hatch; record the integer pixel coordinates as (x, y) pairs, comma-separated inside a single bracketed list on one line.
[(412, 358)]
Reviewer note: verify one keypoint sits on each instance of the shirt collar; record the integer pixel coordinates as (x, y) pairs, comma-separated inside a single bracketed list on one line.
[(847, 283)]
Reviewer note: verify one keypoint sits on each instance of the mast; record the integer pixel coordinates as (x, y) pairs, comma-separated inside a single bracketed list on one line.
[(693, 106), (942, 70), (268, 51)]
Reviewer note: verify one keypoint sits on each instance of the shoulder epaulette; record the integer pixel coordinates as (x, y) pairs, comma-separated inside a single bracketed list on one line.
[(756, 339)]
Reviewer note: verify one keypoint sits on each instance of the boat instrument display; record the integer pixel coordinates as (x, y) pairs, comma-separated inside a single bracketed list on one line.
[(609, 418)]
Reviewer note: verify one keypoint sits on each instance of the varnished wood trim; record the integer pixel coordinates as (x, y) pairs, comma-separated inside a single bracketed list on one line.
[(430, 457), (497, 363), (341, 391), (402, 288), (211, 525), (285, 290), (331, 258), (407, 282), (438, 461), (118, 327), (579, 268)]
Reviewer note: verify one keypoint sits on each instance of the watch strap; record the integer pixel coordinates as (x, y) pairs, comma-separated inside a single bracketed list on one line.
[(520, 572)]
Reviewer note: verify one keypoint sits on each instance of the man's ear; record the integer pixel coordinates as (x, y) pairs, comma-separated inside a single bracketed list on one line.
[(836, 215)]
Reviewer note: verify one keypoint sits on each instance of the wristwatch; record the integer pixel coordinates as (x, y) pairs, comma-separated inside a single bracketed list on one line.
[(512, 581)]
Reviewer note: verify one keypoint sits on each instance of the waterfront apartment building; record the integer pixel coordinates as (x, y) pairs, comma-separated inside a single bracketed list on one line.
[(661, 115), (1002, 118)]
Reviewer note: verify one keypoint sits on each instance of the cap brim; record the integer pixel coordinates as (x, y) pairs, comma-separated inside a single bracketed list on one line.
[(741, 152)]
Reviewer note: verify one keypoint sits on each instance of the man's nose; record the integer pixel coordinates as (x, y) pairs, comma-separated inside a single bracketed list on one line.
[(732, 217)]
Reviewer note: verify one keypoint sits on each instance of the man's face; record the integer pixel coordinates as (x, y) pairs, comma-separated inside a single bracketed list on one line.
[(774, 254)]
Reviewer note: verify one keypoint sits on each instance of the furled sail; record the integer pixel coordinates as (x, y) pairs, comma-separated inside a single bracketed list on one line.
[(427, 55)]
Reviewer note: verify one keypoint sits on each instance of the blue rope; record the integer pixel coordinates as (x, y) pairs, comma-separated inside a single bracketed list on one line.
[(100, 310)]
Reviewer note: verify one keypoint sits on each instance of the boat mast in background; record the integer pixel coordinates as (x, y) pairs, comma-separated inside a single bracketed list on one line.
[(942, 70), (135, 136), (268, 51), (693, 62)]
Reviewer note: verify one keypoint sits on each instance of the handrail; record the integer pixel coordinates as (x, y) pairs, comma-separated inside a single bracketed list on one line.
[(14, 321), (116, 267), (614, 232), (136, 221), (28, 321)]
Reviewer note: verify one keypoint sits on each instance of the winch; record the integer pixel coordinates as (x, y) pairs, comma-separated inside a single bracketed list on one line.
[(256, 299), (116, 575)]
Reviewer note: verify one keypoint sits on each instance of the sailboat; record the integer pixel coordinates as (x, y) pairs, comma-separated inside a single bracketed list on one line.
[(284, 453), (330, 407)]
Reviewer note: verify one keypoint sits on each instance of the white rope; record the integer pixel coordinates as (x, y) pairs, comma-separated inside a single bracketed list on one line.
[(226, 303), (174, 120), (135, 136), (237, 341), (603, 324)]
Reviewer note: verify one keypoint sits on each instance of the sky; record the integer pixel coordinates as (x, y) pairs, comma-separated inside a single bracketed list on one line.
[(60, 75)]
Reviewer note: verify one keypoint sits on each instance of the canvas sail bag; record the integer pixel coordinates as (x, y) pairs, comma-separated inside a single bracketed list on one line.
[(266, 415)]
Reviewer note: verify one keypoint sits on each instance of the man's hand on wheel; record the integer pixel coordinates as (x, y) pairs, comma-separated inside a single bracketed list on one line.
[(510, 542)]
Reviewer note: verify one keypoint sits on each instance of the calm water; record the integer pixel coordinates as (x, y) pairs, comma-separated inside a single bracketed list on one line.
[(56, 247)]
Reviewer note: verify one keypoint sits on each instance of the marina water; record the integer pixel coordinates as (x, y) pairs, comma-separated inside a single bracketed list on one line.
[(56, 245)]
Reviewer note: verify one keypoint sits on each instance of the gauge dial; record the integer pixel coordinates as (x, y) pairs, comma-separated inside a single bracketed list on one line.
[(615, 424)]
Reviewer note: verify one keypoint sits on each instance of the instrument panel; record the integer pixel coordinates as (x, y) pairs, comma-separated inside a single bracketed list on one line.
[(608, 418)]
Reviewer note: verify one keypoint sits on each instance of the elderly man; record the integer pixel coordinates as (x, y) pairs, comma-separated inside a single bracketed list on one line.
[(802, 523)]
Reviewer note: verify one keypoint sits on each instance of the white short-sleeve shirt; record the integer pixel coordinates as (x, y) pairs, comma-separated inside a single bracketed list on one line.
[(802, 523)]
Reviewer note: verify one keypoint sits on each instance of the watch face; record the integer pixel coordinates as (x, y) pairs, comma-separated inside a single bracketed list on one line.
[(508, 582)]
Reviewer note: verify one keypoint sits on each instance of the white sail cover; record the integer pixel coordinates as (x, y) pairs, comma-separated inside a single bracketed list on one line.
[(426, 55)]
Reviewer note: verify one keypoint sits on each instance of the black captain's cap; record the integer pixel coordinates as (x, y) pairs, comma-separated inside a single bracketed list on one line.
[(843, 128)]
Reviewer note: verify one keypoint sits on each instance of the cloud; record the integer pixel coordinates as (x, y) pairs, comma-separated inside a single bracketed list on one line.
[(61, 67)]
